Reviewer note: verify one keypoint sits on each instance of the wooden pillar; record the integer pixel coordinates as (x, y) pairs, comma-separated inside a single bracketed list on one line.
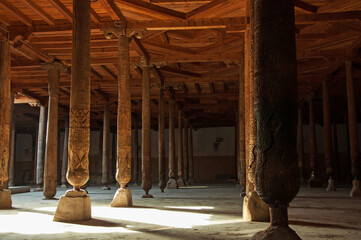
[(300, 147), (353, 131), (106, 157), (180, 180), (314, 180), (172, 183), (51, 149), (76, 201), (241, 129), (5, 103), (135, 151), (191, 161), (41, 149), (123, 196), (146, 154), (185, 151), (12, 145), (64, 163), (335, 152), (327, 136), (161, 139), (275, 104)]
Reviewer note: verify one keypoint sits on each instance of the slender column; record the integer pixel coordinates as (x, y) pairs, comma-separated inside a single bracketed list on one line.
[(135, 150), (51, 149), (76, 201), (335, 151), (276, 111), (12, 145), (314, 180), (64, 163), (172, 183), (161, 139), (146, 164), (241, 129), (300, 147), (106, 148), (185, 151), (191, 161), (5, 103), (327, 136), (41, 149), (353, 131), (180, 180)]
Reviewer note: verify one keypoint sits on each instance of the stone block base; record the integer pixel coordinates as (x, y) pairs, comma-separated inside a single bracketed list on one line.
[(356, 191), (5, 199), (122, 198), (331, 185), (74, 206), (254, 209), (180, 182), (172, 184), (277, 233)]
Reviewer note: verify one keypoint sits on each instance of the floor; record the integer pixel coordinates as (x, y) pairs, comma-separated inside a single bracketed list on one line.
[(209, 211)]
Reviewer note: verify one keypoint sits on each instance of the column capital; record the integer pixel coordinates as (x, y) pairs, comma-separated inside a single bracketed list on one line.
[(120, 30), (144, 62), (57, 65)]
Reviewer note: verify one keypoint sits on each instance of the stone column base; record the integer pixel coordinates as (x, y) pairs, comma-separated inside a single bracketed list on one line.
[(331, 185), (64, 186), (356, 191), (277, 233), (172, 184), (5, 199), (122, 198), (254, 209), (73, 206), (180, 182)]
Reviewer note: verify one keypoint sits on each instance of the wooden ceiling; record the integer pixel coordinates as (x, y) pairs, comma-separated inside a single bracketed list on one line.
[(194, 45)]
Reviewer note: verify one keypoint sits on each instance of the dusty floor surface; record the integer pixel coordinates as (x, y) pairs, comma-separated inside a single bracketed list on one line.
[(198, 212)]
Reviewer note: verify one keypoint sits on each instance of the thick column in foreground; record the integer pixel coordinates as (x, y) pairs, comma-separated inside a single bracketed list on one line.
[(353, 132), (161, 139), (5, 103), (241, 130), (300, 149), (276, 112), (146, 164), (75, 204), (180, 180), (40, 149), (123, 196), (106, 148), (172, 182)]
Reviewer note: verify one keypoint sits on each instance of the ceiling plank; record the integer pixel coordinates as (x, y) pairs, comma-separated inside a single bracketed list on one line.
[(16, 12), (114, 11), (204, 8), (94, 16), (305, 7), (198, 88), (62, 9), (211, 88), (139, 48), (179, 72), (46, 17), (173, 48), (327, 17)]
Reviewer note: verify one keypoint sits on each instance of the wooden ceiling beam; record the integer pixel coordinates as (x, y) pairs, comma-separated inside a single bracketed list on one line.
[(211, 88), (46, 17), (109, 72), (94, 16), (218, 44), (62, 9), (204, 8), (305, 7), (179, 72), (139, 48), (198, 88), (170, 47), (327, 17), (16, 12), (4, 20), (114, 11)]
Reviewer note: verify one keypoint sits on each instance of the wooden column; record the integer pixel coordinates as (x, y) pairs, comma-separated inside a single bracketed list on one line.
[(64, 163), (335, 152), (353, 131), (76, 201), (327, 131), (135, 151), (191, 161), (180, 180), (5, 103), (300, 147), (41, 148), (275, 104), (314, 180), (185, 151), (161, 139), (12, 144), (51, 149), (106, 157), (241, 129), (172, 183), (146, 154)]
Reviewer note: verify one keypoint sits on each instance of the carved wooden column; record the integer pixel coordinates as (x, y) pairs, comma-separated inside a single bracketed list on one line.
[(172, 183), (12, 144), (106, 148), (353, 132), (300, 147), (123, 196), (327, 136), (254, 209), (191, 161), (241, 129), (180, 180), (314, 180), (185, 151), (76, 201), (277, 174), (64, 163), (146, 154), (5, 103), (51, 149), (161, 139), (41, 148), (135, 150)]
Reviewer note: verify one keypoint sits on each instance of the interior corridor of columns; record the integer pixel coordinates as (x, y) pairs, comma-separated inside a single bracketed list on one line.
[(179, 119)]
